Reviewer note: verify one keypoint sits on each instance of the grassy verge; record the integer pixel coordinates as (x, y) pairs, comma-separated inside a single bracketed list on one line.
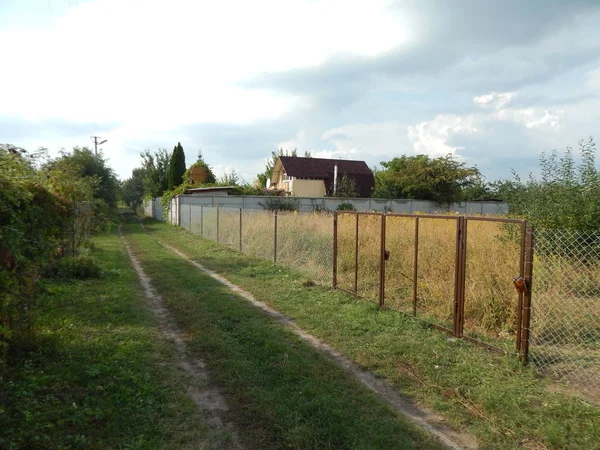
[(98, 378), (281, 392), (502, 403)]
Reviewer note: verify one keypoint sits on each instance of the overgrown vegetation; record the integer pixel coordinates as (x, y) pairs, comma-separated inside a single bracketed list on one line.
[(48, 210), (567, 195)]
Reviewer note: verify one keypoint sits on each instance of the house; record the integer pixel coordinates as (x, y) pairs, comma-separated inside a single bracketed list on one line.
[(315, 177)]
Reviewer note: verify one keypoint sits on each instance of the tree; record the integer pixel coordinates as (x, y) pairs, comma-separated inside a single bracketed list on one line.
[(133, 188), (230, 179), (346, 187), (266, 175), (176, 167), (156, 172), (87, 165), (566, 196), (419, 177)]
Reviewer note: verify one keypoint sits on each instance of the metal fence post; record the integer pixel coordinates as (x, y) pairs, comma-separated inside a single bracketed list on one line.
[(275, 237), (382, 263), (190, 210), (201, 220), (525, 330), (335, 239), (459, 278), (217, 224), (240, 230), (416, 267)]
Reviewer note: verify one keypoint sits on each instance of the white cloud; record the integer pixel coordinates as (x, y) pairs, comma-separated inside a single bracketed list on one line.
[(494, 99)]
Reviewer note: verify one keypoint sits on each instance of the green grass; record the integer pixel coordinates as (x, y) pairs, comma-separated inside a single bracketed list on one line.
[(281, 392), (102, 375), (502, 403)]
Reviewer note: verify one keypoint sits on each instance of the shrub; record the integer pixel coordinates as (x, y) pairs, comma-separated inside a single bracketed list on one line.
[(346, 206), (79, 267)]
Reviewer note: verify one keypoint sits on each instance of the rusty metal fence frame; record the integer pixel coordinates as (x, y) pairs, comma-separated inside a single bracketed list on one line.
[(523, 300)]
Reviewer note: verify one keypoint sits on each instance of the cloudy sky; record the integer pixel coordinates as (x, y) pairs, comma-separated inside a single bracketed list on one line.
[(495, 83)]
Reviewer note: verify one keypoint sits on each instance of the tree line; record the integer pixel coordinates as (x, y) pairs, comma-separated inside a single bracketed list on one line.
[(567, 194)]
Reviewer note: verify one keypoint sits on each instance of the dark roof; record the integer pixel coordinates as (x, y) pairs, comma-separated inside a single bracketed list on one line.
[(322, 169)]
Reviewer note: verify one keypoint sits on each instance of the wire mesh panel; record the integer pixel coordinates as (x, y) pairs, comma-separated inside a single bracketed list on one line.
[(197, 212), (347, 248), (565, 321), (229, 227), (304, 242), (258, 233), (399, 273), (493, 259), (209, 222), (436, 269), (369, 255)]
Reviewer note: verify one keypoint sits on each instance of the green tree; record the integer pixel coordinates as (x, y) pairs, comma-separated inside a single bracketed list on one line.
[(419, 177), (346, 187), (566, 196), (176, 167), (156, 172), (133, 188), (87, 165)]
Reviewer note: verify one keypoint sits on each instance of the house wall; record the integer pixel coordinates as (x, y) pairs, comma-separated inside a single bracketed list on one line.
[(307, 188)]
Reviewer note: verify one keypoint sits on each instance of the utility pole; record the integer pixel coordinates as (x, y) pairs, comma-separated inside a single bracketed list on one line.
[(96, 143)]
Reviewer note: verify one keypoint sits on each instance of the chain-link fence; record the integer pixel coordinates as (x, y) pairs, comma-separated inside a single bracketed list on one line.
[(565, 320), (420, 275), (302, 241)]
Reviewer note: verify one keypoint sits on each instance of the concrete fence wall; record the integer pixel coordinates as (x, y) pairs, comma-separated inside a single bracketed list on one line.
[(154, 209)]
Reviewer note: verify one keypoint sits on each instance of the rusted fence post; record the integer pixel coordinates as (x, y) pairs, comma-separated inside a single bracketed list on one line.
[(416, 267), (335, 243), (382, 263), (275, 237), (217, 224), (241, 230), (526, 317), (459, 277)]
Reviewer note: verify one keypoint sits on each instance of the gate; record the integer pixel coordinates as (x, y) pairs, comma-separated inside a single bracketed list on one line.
[(458, 273)]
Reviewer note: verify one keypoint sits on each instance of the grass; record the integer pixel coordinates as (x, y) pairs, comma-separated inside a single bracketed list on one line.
[(504, 404), (566, 318), (102, 376), (281, 392)]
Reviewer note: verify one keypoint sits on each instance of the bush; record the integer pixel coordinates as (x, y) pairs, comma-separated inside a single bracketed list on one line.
[(346, 206), (79, 267)]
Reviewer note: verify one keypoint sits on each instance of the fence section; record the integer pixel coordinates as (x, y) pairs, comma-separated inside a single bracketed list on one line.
[(299, 240), (565, 320), (437, 268), (459, 273)]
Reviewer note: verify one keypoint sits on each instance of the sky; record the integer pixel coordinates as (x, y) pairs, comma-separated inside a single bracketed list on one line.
[(494, 83)]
